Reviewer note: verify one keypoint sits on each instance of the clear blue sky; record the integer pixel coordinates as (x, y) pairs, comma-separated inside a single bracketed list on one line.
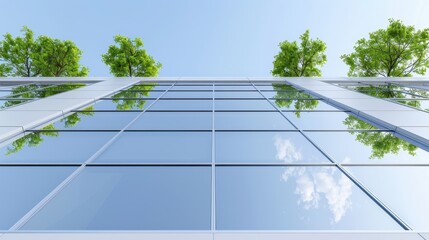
[(212, 37)]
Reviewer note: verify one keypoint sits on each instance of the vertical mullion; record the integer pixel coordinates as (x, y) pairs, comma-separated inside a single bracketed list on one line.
[(213, 166)]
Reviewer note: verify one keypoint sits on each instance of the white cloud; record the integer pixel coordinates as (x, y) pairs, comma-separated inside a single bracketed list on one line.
[(315, 185), (286, 150)]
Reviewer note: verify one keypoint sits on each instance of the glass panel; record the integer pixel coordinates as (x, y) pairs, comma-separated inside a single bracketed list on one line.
[(152, 87), (137, 94), (235, 87), (54, 147), (96, 121), (183, 105), (190, 87), (174, 121), (420, 104), (159, 147), (130, 198), (327, 121), (266, 147), (368, 147), (23, 187), (294, 198), (251, 121), (122, 104), (10, 103), (249, 94), (4, 93), (243, 105), (188, 94), (401, 189), (303, 105)]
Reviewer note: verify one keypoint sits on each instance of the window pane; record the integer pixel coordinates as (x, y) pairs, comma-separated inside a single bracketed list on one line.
[(266, 147), (303, 105), (243, 105), (327, 121), (130, 198), (188, 94), (190, 87), (159, 147), (96, 121), (249, 94), (174, 121), (294, 198), (54, 147), (251, 121), (400, 188), (122, 104), (136, 94), (23, 187), (183, 105), (368, 148), (235, 87), (4, 93)]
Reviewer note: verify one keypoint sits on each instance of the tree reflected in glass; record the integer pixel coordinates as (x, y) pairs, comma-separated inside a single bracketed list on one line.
[(287, 95), (397, 92), (132, 98), (381, 143), (34, 139)]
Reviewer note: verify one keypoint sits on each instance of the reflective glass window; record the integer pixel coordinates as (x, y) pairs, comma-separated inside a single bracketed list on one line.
[(251, 121), (188, 94), (54, 147), (241, 94), (192, 87), (183, 105), (4, 93), (368, 147), (243, 105), (303, 105), (173, 121), (402, 189), (95, 120), (235, 87), (266, 147), (159, 147), (24, 187), (294, 198), (327, 121), (130, 198), (122, 104)]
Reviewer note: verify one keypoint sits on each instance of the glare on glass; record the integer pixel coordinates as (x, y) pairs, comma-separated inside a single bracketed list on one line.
[(130, 198)]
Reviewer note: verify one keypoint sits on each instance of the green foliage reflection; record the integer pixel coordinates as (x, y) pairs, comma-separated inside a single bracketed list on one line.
[(381, 143), (287, 95)]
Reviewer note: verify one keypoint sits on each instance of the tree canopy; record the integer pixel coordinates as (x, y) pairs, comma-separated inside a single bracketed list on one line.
[(128, 58), (42, 57), (300, 60), (398, 51)]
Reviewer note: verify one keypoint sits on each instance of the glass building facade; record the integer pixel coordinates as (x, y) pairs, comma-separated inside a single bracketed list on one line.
[(214, 158)]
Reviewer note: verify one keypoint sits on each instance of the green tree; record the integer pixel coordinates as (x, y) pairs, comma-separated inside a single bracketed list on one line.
[(300, 60), (57, 58), (17, 55), (127, 58), (42, 57), (398, 51)]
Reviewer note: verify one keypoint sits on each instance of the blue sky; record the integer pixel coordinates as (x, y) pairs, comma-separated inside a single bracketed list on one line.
[(212, 37)]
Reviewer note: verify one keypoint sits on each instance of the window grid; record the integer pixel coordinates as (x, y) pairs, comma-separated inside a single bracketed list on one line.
[(213, 164)]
